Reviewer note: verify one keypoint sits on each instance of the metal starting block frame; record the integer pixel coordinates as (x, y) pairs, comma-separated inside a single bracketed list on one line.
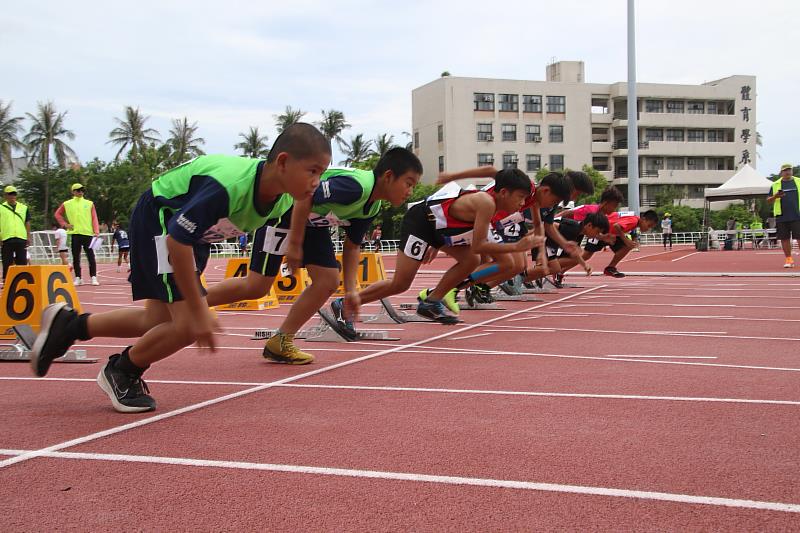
[(324, 332), (21, 349), (565, 285), (519, 292), (389, 315)]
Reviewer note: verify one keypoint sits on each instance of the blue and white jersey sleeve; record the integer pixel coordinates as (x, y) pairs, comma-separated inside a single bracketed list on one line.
[(343, 190), (207, 206)]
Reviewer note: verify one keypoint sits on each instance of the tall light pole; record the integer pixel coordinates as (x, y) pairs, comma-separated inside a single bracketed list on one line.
[(633, 131)]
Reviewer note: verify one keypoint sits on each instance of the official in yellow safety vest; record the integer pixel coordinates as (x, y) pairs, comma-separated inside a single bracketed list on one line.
[(81, 223), (15, 230), (785, 200)]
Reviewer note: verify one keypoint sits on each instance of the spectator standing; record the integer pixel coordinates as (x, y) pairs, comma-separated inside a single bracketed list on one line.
[(377, 233), (15, 230), (785, 200), (666, 230), (61, 244), (80, 222)]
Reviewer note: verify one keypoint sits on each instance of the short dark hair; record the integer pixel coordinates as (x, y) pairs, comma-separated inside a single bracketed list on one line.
[(300, 140), (611, 194), (559, 184), (399, 161), (581, 181), (598, 220), (650, 216), (512, 179)]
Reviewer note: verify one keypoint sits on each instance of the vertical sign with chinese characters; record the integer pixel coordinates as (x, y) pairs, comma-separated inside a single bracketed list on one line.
[(747, 127)]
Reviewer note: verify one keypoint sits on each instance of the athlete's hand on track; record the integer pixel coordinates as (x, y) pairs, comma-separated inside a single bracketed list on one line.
[(202, 327)]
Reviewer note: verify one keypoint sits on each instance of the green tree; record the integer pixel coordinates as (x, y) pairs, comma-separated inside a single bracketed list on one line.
[(253, 144), (185, 145), (287, 118), (600, 183), (10, 129), (43, 187), (667, 194), (332, 125), (383, 143), (740, 212), (684, 218), (47, 132), (357, 150), (131, 132)]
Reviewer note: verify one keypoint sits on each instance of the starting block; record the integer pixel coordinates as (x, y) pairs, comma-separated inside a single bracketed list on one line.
[(389, 315), (324, 331), (517, 289), (28, 290), (21, 349), (565, 285), (289, 287), (481, 307), (237, 268)]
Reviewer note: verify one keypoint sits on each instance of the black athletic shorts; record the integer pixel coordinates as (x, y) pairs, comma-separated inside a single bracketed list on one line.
[(595, 245), (146, 282), (787, 230), (318, 248)]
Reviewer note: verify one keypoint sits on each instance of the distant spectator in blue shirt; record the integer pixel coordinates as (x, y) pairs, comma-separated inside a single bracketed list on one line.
[(120, 238)]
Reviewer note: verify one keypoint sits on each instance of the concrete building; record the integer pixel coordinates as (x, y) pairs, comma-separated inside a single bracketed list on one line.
[(691, 136)]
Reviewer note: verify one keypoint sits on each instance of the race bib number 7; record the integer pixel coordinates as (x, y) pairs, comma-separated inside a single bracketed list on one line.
[(415, 248), (276, 240)]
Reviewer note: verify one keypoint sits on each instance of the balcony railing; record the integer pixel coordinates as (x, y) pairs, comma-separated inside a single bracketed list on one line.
[(643, 173), (622, 144)]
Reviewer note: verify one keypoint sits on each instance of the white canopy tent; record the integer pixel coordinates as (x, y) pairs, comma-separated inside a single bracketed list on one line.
[(746, 183)]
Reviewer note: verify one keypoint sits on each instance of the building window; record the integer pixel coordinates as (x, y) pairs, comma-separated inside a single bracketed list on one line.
[(555, 134), (695, 136), (510, 160), (654, 106), (675, 163), (696, 108), (674, 106), (718, 163), (654, 134), (509, 132), (508, 102), (485, 160), (485, 132), (675, 135), (440, 132), (696, 163), (716, 136), (713, 108), (556, 162), (533, 133), (556, 104), (533, 162), (416, 139), (653, 163), (441, 163), (531, 103), (484, 102), (696, 192)]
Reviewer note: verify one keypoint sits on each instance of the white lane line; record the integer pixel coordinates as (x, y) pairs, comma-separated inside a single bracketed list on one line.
[(467, 351), (737, 296), (701, 399), (238, 394), (685, 256), (469, 336), (662, 356), (704, 317), (424, 478), (219, 348)]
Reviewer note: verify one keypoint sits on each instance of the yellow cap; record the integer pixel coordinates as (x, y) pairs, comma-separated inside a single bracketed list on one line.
[(76, 186), (785, 166), (667, 214), (9, 189)]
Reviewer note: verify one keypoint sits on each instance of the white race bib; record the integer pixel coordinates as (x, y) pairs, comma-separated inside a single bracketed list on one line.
[(162, 255), (415, 248), (276, 240)]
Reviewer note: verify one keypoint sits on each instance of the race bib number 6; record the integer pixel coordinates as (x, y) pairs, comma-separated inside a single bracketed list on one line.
[(276, 240), (415, 248)]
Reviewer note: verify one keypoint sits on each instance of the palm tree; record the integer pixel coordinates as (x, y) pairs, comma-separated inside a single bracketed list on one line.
[(10, 128), (254, 145), (182, 139), (46, 133), (287, 118), (332, 125), (357, 150), (131, 132), (383, 143)]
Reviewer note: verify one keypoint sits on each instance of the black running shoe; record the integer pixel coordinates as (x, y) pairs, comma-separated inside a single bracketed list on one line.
[(530, 284), (484, 294), (613, 272), (346, 328), (507, 288), (128, 393), (470, 296), (558, 281), (435, 310), (53, 340)]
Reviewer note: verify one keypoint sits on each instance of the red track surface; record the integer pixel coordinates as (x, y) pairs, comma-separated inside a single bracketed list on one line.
[(645, 403)]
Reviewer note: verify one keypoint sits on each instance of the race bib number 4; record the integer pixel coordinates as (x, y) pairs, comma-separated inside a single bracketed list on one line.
[(276, 240), (415, 248)]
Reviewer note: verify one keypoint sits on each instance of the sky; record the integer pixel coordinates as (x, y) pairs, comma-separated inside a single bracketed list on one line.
[(234, 64)]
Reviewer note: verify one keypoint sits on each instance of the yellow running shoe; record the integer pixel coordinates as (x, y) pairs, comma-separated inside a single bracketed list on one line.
[(449, 300), (280, 348)]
